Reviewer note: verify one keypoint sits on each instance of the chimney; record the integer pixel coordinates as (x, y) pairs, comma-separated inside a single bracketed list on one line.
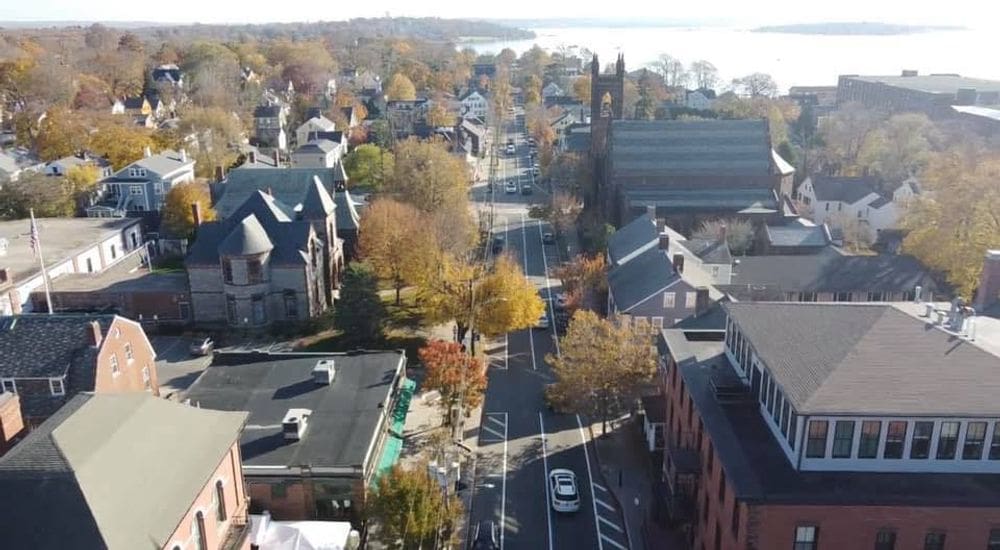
[(196, 213), (94, 336), (989, 282), (661, 226), (11, 421), (269, 193), (277, 158), (651, 211), (664, 241), (722, 233), (184, 155), (679, 263), (252, 157), (220, 173), (147, 152), (702, 301)]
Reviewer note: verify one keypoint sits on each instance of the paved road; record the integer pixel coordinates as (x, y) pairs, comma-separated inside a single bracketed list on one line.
[(520, 440)]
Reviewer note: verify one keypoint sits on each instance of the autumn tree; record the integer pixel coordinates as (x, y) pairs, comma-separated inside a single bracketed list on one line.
[(532, 90), (430, 178), (704, 74), (394, 239), (739, 233), (581, 276), (857, 236), (360, 312), (120, 143), (496, 301), (49, 197), (601, 368), (900, 147), (178, 216), (581, 89), (645, 108), (438, 115), (846, 135), (61, 133), (369, 165), (956, 217), (411, 510), (217, 132), (458, 377), (82, 180), (755, 85), (400, 88), (213, 74)]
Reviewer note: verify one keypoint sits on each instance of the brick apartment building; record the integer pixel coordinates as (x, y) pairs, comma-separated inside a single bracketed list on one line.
[(47, 359), (833, 426), (932, 94), (127, 471)]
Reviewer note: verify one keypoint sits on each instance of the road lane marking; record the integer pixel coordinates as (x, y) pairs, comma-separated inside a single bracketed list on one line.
[(612, 542), (601, 487), (548, 290), (590, 478), (545, 485), (524, 245), (610, 524), (499, 435), (503, 485), (607, 506)]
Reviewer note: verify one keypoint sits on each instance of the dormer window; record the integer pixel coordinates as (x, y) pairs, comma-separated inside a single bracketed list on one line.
[(8, 385), (56, 386), (136, 172)]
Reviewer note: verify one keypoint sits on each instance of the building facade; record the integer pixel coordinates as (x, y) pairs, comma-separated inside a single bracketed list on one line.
[(142, 186), (932, 94)]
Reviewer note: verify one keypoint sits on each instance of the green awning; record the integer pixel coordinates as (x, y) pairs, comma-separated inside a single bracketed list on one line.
[(397, 418)]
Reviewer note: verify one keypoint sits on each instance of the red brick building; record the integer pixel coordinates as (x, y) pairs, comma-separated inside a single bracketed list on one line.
[(157, 475), (47, 359), (833, 426)]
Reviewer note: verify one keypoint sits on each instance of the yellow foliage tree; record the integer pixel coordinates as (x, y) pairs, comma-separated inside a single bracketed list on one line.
[(581, 89), (60, 134), (395, 240), (957, 218), (400, 88), (177, 214), (120, 144), (427, 176)]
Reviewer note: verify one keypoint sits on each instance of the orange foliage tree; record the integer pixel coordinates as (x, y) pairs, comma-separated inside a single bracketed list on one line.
[(459, 378)]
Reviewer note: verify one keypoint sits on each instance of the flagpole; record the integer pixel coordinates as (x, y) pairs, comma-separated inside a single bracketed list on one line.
[(37, 243)]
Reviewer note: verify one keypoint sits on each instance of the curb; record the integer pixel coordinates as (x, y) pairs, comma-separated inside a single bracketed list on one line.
[(614, 494)]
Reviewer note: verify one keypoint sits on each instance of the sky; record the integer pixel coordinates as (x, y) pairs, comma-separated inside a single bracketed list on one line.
[(959, 12)]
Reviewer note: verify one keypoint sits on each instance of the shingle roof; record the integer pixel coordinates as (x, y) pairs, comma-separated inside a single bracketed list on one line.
[(267, 111), (650, 149), (740, 200), (317, 202), (111, 471), (164, 162), (246, 239), (321, 122), (879, 202), (345, 414), (711, 251), (828, 271), (842, 188), (632, 238), (44, 346), (287, 185), (318, 146), (870, 359), (640, 278)]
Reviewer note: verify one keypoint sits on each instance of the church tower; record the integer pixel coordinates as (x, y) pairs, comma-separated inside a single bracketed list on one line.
[(607, 94)]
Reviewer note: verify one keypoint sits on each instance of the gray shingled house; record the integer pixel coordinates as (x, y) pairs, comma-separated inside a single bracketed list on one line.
[(266, 262)]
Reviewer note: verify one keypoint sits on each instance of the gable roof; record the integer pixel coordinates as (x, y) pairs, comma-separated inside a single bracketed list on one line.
[(840, 358), (632, 239), (655, 148), (828, 271), (78, 472), (286, 185), (44, 346), (319, 121), (317, 146), (711, 251), (164, 162), (842, 188), (635, 281)]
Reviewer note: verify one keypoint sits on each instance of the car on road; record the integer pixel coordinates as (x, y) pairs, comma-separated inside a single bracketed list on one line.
[(202, 347), (561, 301), (543, 321), (526, 189), (531, 141), (548, 238), (535, 171), (486, 536), (510, 148), (563, 490), (498, 243), (510, 187)]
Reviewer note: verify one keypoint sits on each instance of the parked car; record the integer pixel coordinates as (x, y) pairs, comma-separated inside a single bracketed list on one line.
[(561, 301), (563, 490), (202, 346), (526, 189), (510, 148), (531, 141), (535, 171), (510, 187), (543, 321), (486, 536), (498, 243), (548, 238)]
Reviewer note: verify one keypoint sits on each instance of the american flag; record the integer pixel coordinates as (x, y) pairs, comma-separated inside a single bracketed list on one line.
[(34, 235)]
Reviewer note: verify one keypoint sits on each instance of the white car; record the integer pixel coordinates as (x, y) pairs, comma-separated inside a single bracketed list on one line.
[(510, 148), (543, 321), (562, 486), (510, 188)]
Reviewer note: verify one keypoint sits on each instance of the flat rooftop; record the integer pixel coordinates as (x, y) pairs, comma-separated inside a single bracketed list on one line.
[(128, 275), (934, 84), (759, 471), (60, 237), (347, 415)]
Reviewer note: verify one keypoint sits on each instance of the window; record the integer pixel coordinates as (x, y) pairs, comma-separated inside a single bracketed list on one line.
[(784, 419), (934, 541), (255, 272), (772, 395), (114, 252), (793, 426), (885, 539), (715, 271), (135, 189), (816, 445), (690, 300), (843, 439), (975, 435), (895, 435), (779, 401), (199, 532), (994, 542), (291, 304), (668, 299), (227, 270), (947, 440), (128, 351), (842, 297), (8, 385), (995, 442), (90, 265), (876, 296), (827, 207), (259, 313), (231, 313), (806, 538), (657, 323), (115, 371), (56, 386), (158, 187), (870, 432), (920, 446), (146, 380), (220, 502), (807, 296)]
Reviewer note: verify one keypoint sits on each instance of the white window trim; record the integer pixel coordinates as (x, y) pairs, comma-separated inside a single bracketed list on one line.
[(672, 300), (129, 355), (57, 382), (5, 381), (116, 369)]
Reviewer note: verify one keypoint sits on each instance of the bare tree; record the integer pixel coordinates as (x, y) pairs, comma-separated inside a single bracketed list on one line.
[(672, 70), (704, 74), (755, 85)]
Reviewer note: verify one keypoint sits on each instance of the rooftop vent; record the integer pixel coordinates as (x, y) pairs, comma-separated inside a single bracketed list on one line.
[(293, 426), (324, 372)]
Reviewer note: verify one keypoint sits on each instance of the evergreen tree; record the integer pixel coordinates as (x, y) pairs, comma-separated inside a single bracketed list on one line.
[(360, 312)]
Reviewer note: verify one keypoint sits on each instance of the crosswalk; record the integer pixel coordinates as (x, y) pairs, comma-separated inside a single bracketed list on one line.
[(493, 428), (611, 533)]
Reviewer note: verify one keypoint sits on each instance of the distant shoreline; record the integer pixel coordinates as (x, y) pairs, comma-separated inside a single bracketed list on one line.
[(854, 29)]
